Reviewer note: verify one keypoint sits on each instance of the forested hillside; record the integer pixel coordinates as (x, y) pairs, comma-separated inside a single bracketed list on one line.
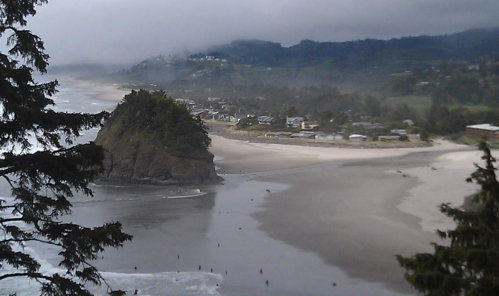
[(441, 83), (362, 53)]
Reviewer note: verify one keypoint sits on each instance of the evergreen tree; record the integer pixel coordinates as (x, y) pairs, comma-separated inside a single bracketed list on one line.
[(469, 264), (44, 168)]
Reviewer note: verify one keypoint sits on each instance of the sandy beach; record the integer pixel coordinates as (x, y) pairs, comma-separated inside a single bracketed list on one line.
[(309, 216), (355, 208)]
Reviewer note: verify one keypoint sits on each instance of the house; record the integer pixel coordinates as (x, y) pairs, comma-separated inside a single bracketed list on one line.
[(265, 120), (484, 130), (294, 121), (308, 124), (199, 113), (222, 117), (355, 138), (236, 118), (213, 114), (399, 132)]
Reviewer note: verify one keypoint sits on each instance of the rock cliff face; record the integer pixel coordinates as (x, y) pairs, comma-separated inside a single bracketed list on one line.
[(151, 140)]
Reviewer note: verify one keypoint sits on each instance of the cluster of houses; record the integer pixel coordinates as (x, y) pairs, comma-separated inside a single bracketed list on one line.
[(208, 58), (309, 129)]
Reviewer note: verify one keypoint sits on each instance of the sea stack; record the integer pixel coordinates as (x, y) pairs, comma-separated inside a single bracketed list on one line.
[(150, 139)]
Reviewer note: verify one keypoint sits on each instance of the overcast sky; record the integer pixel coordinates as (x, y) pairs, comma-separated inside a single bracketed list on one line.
[(128, 31)]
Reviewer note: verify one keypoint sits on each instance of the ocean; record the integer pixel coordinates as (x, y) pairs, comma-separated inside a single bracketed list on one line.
[(189, 240)]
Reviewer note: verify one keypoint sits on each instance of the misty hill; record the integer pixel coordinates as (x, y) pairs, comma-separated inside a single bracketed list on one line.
[(363, 53), (441, 83), (362, 66)]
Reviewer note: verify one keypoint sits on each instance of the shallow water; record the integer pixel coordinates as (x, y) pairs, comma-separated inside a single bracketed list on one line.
[(193, 240)]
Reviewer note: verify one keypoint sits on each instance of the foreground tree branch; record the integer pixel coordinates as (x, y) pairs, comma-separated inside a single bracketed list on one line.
[(42, 182), (469, 265)]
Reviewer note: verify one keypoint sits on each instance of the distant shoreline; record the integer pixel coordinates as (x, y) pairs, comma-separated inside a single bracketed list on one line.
[(221, 129)]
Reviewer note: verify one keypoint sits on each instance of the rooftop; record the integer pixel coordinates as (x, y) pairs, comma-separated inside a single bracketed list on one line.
[(484, 126)]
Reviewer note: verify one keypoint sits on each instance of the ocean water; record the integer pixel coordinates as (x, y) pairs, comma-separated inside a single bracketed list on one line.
[(190, 240)]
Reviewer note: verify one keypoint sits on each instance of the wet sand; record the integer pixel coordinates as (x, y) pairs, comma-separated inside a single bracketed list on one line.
[(354, 208), (351, 208)]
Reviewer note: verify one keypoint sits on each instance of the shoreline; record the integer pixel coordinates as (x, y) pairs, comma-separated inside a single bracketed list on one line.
[(348, 206), (353, 207), (99, 91), (221, 129)]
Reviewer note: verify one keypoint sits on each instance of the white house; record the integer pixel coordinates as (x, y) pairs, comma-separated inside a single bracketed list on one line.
[(355, 138)]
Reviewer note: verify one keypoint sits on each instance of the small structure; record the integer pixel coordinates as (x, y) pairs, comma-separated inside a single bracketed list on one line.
[(399, 132), (236, 117), (355, 138), (308, 125), (222, 117), (294, 121), (212, 114), (265, 120), (483, 130), (199, 113), (304, 135)]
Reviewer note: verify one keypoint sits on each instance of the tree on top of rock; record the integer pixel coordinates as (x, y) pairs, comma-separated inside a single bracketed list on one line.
[(159, 119)]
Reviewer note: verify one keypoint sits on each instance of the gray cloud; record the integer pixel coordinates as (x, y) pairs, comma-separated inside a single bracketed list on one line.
[(125, 31)]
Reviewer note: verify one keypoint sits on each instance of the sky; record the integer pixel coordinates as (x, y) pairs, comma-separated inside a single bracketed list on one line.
[(129, 31)]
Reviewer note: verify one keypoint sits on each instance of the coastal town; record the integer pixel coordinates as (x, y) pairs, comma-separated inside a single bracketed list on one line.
[(298, 127), (322, 151)]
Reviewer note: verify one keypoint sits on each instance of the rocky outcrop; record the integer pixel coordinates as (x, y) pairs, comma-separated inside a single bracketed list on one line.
[(151, 140), (140, 161)]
